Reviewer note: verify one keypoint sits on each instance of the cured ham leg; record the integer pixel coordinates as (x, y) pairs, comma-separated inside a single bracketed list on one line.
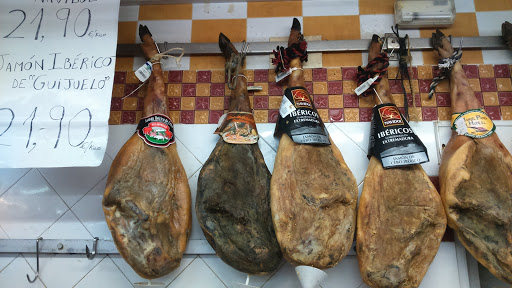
[(233, 196), (313, 196), (400, 220), (476, 183), (147, 200)]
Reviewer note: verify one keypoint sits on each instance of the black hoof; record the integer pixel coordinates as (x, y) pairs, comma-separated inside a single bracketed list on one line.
[(143, 30), (296, 24), (226, 46)]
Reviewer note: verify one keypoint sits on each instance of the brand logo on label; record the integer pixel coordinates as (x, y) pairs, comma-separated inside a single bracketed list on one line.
[(156, 130), (301, 98), (390, 116)]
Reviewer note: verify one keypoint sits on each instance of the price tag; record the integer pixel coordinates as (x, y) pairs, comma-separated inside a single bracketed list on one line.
[(283, 75), (144, 71), (286, 107), (363, 87), (57, 61)]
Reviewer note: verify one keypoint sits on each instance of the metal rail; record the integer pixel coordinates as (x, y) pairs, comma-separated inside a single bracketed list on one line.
[(262, 48)]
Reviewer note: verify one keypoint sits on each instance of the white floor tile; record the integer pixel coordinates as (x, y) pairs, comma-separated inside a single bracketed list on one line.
[(135, 278), (285, 277), (128, 13), (104, 275), (117, 136), (376, 24), (230, 275), (172, 31), (67, 227), (71, 183), (443, 271), (329, 7), (344, 275), (268, 154), (262, 29), (354, 156), (90, 212), (505, 135), (426, 133), (189, 161), (359, 133), (219, 11), (197, 274), (497, 56), (62, 271), (444, 134), (266, 132), (489, 23), (257, 62), (197, 232), (5, 258), (9, 176), (464, 6), (30, 207), (198, 139), (14, 275)]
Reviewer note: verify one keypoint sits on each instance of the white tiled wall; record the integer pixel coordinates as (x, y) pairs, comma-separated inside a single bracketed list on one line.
[(65, 203)]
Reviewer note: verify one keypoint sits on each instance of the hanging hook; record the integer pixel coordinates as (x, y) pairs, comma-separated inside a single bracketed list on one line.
[(37, 261), (90, 255)]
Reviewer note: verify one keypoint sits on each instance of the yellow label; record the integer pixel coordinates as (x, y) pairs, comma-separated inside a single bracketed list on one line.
[(474, 123)]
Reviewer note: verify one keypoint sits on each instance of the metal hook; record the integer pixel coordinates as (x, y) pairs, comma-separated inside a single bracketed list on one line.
[(37, 261), (90, 255)]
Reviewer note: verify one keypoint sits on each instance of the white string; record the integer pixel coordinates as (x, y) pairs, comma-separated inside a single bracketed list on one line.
[(159, 56), (378, 96), (239, 75), (135, 89)]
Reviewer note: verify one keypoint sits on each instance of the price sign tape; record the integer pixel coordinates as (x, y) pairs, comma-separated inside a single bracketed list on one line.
[(144, 72), (363, 87)]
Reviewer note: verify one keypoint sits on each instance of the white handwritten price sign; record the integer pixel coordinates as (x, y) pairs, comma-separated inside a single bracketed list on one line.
[(57, 61)]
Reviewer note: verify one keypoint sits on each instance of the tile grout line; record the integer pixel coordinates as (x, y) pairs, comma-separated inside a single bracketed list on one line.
[(14, 258), (275, 272), (16, 182), (89, 271), (199, 256), (120, 270), (196, 256), (349, 136)]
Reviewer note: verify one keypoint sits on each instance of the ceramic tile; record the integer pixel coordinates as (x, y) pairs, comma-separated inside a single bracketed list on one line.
[(9, 176), (172, 31), (117, 137), (189, 161), (188, 278), (31, 198), (257, 61), (329, 7), (127, 32), (489, 23), (497, 56), (5, 258), (344, 275), (443, 271), (426, 133), (262, 29), (89, 211), (164, 12), (492, 5), (266, 132), (14, 275), (75, 267), (197, 232), (135, 278), (329, 28), (285, 277), (229, 275), (376, 7), (359, 133), (269, 155), (462, 6), (200, 143), (219, 10), (104, 275), (72, 183), (128, 13), (354, 156), (67, 227), (274, 8), (505, 134), (208, 30)]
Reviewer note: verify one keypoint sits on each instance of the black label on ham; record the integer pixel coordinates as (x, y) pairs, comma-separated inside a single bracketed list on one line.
[(156, 130), (299, 118), (392, 140)]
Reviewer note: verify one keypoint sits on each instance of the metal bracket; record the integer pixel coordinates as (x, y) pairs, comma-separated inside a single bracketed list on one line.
[(37, 261), (90, 255), (390, 45)]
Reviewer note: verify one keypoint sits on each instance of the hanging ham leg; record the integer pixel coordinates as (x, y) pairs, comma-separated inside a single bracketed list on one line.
[(476, 184), (233, 197), (400, 220), (313, 196), (147, 201)]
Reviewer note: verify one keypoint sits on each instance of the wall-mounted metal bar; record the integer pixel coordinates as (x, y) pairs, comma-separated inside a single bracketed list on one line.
[(263, 48)]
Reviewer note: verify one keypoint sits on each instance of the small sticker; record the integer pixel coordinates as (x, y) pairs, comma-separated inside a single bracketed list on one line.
[(238, 128), (474, 123), (363, 87), (156, 130), (283, 75), (286, 107), (144, 71)]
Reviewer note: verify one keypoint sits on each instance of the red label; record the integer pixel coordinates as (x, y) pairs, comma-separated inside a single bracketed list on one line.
[(301, 98), (390, 116)]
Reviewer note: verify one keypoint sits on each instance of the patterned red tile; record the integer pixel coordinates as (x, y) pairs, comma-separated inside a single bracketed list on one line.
[(424, 85), (336, 115), (488, 85), (175, 76), (501, 71), (116, 104), (443, 99), (429, 113), (365, 114), (417, 100), (261, 75), (272, 116), (202, 103), (321, 101), (493, 112), (226, 102), (274, 89), (217, 89), (319, 74), (128, 117), (480, 97), (471, 71), (119, 77), (505, 98), (349, 73), (396, 86), (215, 116), (140, 104), (335, 87), (187, 117), (309, 87), (188, 90), (350, 101), (413, 73), (436, 71), (174, 103), (260, 102), (204, 76), (131, 88)]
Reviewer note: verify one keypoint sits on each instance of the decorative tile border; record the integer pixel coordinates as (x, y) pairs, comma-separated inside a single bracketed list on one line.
[(201, 97)]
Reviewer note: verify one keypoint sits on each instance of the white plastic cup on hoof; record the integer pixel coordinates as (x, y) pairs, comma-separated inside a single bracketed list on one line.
[(310, 277), (148, 284)]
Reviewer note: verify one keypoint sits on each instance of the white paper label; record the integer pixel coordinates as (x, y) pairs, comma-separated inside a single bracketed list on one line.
[(144, 71), (283, 75), (57, 61), (363, 87), (286, 108), (460, 123)]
